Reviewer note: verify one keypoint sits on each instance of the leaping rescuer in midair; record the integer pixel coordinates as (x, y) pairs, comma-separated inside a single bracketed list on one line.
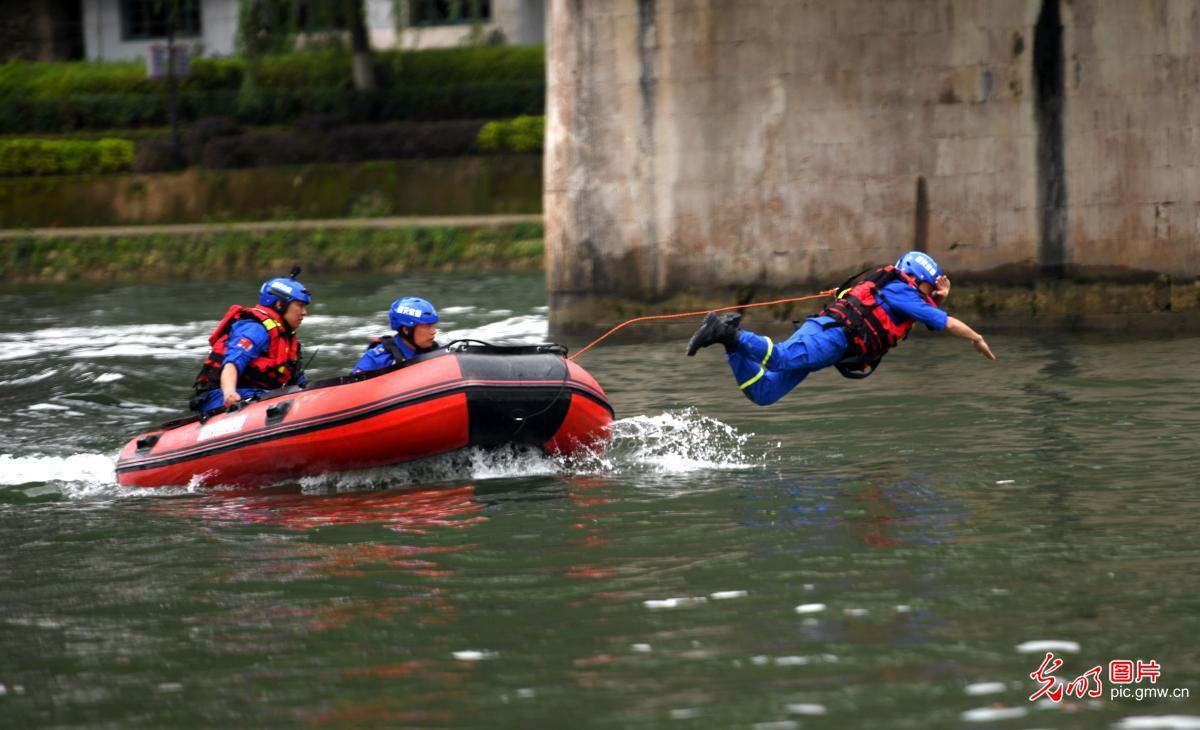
[(852, 334)]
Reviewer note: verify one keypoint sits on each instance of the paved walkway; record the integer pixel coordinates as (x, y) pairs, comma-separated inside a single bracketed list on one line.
[(456, 221)]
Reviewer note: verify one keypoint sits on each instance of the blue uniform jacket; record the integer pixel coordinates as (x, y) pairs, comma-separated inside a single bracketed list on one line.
[(903, 303), (247, 340), (377, 356)]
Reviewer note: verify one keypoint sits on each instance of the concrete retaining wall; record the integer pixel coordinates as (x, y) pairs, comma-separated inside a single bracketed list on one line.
[(709, 147)]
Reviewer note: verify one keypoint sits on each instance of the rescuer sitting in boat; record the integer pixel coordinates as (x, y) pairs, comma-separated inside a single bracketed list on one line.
[(254, 349), (852, 334), (415, 322)]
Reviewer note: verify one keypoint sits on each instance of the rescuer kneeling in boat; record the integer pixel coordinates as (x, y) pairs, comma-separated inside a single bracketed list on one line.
[(852, 334), (254, 349), (414, 320)]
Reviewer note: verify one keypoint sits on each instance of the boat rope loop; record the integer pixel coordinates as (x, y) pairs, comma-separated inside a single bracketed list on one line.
[(601, 338)]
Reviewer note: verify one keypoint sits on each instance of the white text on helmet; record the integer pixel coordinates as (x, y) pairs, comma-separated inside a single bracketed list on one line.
[(280, 286), (925, 264), (409, 311)]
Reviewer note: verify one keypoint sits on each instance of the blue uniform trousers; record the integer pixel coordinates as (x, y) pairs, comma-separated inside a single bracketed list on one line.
[(766, 372), (216, 398)]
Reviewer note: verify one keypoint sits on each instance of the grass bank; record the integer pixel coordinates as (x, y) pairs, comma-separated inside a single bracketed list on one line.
[(228, 253), (478, 185)]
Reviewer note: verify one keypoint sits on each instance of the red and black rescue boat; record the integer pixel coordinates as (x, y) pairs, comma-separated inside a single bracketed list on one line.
[(467, 394)]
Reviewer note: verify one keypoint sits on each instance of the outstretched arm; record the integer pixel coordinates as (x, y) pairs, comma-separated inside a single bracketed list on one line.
[(229, 376), (959, 328)]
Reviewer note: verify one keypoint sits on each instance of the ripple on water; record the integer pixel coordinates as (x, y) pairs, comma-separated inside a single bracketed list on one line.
[(1160, 722), (992, 714), (1037, 647)]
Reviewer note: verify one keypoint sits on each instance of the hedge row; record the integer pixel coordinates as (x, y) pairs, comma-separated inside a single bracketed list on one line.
[(523, 134), (273, 106), (218, 143), (233, 253), (20, 157), (324, 69)]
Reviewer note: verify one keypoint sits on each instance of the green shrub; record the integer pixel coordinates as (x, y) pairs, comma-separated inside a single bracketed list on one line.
[(232, 253), (274, 106), (61, 79), (446, 66), (327, 68), (523, 134), (64, 157)]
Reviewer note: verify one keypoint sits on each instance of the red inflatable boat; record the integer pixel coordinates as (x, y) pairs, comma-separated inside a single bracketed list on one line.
[(469, 394)]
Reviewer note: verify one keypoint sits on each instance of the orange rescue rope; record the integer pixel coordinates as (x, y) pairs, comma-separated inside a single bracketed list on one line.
[(601, 338)]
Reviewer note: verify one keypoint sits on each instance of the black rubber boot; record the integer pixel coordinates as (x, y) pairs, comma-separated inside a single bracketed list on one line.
[(721, 328)]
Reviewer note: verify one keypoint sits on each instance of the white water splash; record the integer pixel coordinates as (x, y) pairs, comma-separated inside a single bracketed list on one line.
[(669, 443), (81, 469), (528, 329), (90, 343), (676, 443), (468, 464)]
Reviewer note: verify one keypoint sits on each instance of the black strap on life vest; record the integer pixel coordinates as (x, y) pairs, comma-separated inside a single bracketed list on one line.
[(861, 326), (389, 344)]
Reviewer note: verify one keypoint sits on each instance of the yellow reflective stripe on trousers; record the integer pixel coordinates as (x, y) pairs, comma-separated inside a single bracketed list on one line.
[(762, 366)]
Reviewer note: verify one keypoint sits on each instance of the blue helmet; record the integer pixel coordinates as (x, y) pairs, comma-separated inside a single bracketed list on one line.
[(283, 290), (410, 312), (920, 266)]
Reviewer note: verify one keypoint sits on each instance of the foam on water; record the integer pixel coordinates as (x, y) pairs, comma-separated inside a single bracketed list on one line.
[(468, 464), (669, 443), (146, 340), (1160, 722), (82, 474), (527, 329), (675, 443), (36, 377)]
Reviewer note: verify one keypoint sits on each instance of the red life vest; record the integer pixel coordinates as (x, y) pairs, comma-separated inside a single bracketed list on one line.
[(870, 331), (275, 368)]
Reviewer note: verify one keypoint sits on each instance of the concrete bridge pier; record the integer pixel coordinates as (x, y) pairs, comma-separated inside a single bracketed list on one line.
[(713, 151)]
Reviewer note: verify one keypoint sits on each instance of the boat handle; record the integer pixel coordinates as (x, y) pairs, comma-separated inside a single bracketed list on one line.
[(276, 413)]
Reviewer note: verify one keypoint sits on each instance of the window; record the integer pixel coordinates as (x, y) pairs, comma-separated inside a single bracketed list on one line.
[(313, 16), (450, 12), (148, 18)]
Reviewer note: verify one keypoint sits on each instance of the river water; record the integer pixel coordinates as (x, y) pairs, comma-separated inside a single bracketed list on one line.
[(898, 552)]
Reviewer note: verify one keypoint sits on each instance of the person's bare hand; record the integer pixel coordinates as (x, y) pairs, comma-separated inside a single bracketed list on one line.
[(943, 288), (981, 346), (231, 397)]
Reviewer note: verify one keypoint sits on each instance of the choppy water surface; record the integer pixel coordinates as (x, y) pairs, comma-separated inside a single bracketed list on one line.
[(891, 553)]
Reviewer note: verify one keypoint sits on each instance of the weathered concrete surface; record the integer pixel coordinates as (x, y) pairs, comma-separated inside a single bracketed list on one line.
[(441, 186), (722, 150)]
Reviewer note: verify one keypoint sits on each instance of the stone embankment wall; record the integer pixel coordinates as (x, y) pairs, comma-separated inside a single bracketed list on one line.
[(699, 150), (440, 186)]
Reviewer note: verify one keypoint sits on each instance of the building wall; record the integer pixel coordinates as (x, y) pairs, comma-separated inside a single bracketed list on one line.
[(713, 145), (522, 22), (103, 39)]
